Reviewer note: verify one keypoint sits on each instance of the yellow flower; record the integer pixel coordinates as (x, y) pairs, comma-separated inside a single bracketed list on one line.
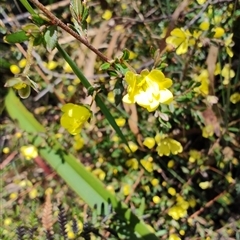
[(194, 155), (235, 97), (217, 70), (52, 65), (177, 212), (182, 232), (6, 150), (229, 44), (7, 221), (67, 68), (15, 69), (203, 78), (133, 146), (107, 15), (227, 73), (29, 152), (155, 182), (74, 116), (99, 173), (170, 164), (79, 142), (132, 163), (33, 193), (200, 2), (174, 236), (148, 89), (167, 146), (156, 199), (111, 97), (120, 121), (219, 32), (205, 185), (126, 189), (172, 191), (207, 131), (147, 165), (22, 63), (180, 39), (149, 142), (204, 25)]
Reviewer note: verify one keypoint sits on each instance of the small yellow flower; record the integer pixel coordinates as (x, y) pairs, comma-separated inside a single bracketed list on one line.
[(74, 116), (15, 69), (182, 232), (200, 2), (120, 121), (156, 199), (149, 89), (110, 188), (99, 173), (227, 73), (29, 152), (235, 98), (192, 202), (172, 191), (155, 182), (170, 164), (180, 39), (194, 155), (13, 196), (207, 131), (107, 15), (33, 193), (79, 142), (174, 236), (111, 97), (167, 146), (149, 142), (147, 165), (52, 65), (71, 235), (7, 221), (126, 189), (205, 185), (49, 191), (22, 63), (6, 150), (204, 25), (219, 32), (203, 78), (133, 146), (132, 163), (67, 68), (229, 44)]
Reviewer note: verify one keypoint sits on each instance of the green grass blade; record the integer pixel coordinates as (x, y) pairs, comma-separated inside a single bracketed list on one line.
[(98, 99), (86, 185), (26, 4)]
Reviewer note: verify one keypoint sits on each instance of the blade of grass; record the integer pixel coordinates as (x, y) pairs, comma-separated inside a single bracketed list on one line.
[(26, 4), (85, 184)]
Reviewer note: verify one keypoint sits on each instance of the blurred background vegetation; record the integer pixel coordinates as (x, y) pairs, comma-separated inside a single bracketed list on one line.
[(194, 194)]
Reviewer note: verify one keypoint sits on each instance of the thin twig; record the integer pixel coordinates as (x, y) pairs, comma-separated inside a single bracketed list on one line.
[(56, 21)]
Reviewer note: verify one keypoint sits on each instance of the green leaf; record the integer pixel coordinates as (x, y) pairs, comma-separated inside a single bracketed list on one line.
[(84, 183), (17, 37), (50, 38), (105, 66), (98, 98), (4, 63)]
